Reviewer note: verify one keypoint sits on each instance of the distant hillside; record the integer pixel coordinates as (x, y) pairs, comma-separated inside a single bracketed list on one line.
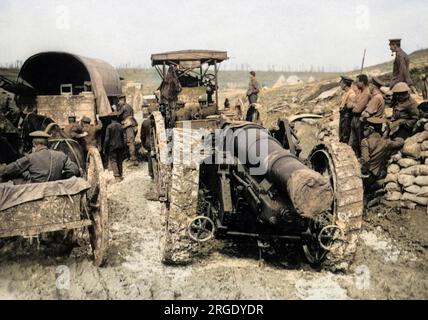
[(11, 74), (239, 79), (227, 79)]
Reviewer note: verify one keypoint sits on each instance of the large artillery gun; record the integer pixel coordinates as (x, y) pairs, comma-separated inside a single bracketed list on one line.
[(317, 203), (221, 178)]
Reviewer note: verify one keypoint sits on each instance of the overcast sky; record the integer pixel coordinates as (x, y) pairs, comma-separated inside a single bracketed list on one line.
[(260, 33)]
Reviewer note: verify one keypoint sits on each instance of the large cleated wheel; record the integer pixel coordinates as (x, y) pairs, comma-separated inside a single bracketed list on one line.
[(177, 245), (97, 205), (335, 242), (159, 147)]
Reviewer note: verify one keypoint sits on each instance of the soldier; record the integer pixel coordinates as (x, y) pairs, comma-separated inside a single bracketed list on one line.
[(226, 104), (405, 114), (253, 114), (145, 136), (345, 111), (130, 125), (74, 130), (114, 145), (358, 105), (423, 117), (10, 110), (376, 106), (400, 71), (43, 164), (92, 131), (376, 150), (253, 89)]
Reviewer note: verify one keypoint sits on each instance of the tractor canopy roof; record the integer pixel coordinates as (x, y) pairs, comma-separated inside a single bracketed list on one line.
[(189, 58)]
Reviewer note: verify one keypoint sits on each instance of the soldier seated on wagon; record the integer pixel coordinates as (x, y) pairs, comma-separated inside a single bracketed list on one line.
[(42, 165)]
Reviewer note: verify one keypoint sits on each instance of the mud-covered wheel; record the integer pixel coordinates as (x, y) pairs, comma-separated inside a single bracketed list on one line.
[(97, 206), (338, 162), (177, 247), (159, 153)]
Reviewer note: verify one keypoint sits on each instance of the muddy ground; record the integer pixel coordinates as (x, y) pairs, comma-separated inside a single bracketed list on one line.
[(391, 262)]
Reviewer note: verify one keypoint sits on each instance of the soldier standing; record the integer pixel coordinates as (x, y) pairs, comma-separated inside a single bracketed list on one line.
[(253, 89), (74, 130), (358, 106), (92, 131), (405, 114), (130, 125), (43, 164), (114, 145), (345, 111), (376, 106), (400, 71)]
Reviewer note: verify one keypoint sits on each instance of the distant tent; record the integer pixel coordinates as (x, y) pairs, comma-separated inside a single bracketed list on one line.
[(280, 82), (311, 79), (292, 80)]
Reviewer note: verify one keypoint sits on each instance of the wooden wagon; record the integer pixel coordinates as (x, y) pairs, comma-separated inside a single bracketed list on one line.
[(30, 210)]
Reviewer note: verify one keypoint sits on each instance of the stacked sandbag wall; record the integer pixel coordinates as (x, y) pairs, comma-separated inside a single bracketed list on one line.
[(407, 178)]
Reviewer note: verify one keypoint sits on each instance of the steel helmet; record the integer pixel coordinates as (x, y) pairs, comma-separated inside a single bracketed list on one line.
[(400, 88)]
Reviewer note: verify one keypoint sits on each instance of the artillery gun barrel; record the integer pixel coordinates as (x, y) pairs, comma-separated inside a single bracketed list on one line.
[(309, 191)]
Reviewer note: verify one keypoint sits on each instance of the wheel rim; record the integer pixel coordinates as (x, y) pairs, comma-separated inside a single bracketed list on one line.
[(98, 206)]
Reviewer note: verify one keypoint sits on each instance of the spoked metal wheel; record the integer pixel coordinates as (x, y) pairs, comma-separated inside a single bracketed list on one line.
[(159, 152), (201, 229), (98, 206)]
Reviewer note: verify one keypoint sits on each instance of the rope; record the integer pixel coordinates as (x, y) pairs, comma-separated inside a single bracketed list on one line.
[(67, 141)]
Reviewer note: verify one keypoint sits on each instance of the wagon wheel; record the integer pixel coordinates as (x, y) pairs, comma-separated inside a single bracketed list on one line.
[(159, 154), (98, 206), (336, 232)]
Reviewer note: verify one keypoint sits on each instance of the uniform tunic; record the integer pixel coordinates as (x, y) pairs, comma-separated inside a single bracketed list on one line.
[(131, 127), (41, 166), (91, 138), (405, 116), (400, 72), (114, 144), (375, 153), (358, 106), (376, 106), (253, 91), (346, 116)]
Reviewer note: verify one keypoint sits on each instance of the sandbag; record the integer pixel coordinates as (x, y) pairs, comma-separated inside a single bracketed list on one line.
[(423, 201), (393, 196), (421, 181), (406, 162), (418, 170), (424, 146), (413, 189), (412, 150), (392, 186), (396, 157), (393, 168), (424, 154), (412, 146), (419, 137), (423, 192), (406, 180), (391, 177)]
